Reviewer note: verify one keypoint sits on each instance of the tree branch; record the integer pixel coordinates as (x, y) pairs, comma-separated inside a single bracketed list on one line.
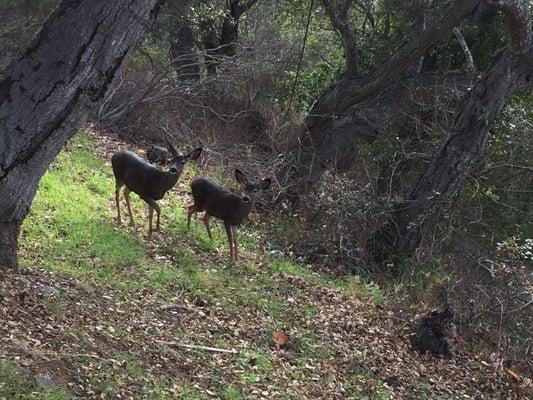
[(469, 60), (339, 20), (518, 20), (344, 94)]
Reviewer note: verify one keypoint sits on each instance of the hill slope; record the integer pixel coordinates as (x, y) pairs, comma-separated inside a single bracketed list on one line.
[(100, 311)]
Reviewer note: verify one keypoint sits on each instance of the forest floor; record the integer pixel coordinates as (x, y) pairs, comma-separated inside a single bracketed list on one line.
[(99, 310)]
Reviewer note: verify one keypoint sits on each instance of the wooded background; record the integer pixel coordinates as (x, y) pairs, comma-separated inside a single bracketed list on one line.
[(401, 130)]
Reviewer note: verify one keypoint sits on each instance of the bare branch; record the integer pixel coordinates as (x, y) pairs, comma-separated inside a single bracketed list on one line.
[(469, 60)]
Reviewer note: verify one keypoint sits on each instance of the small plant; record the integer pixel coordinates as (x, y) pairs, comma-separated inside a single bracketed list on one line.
[(516, 248)]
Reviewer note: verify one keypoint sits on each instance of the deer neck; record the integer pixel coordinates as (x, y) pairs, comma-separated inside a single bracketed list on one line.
[(244, 208), (170, 180)]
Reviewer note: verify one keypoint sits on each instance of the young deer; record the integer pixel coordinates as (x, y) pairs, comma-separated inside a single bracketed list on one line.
[(149, 182), (158, 155), (222, 204)]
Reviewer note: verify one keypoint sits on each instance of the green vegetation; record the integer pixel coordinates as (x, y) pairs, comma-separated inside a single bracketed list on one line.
[(71, 228), (15, 386), (365, 385), (72, 232)]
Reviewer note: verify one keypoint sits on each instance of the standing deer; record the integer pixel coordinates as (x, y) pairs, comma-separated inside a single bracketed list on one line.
[(149, 182), (222, 204), (158, 155)]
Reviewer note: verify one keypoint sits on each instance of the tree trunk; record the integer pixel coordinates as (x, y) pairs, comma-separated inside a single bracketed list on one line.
[(182, 42), (310, 154), (45, 95), (415, 217), (349, 133), (9, 232)]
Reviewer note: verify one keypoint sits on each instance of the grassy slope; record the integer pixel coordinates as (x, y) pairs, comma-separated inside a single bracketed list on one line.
[(99, 336)]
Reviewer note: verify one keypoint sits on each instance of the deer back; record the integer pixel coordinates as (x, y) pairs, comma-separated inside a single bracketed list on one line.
[(219, 202), (140, 176)]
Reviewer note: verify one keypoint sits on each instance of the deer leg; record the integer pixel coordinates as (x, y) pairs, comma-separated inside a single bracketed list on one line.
[(158, 210), (153, 206), (118, 185), (235, 246), (206, 220), (230, 240), (191, 210), (150, 216), (127, 196)]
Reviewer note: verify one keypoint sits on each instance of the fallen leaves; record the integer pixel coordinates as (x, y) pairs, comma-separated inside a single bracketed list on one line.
[(103, 343)]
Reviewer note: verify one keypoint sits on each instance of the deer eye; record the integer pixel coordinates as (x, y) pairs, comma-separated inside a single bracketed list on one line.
[(255, 190), (183, 162)]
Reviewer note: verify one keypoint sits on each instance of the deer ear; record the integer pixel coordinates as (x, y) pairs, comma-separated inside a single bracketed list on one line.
[(195, 153), (265, 184), (241, 178), (171, 148)]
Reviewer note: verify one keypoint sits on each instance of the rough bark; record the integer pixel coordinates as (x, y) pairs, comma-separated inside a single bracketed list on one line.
[(419, 12), (469, 60), (45, 95), (413, 218)]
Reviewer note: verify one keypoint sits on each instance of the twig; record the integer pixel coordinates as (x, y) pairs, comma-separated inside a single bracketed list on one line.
[(174, 306), (197, 346)]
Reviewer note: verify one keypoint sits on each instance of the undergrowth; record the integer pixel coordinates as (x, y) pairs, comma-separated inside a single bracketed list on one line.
[(72, 231)]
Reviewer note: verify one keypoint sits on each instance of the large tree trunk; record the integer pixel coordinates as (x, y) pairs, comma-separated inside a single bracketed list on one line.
[(364, 123), (45, 95), (319, 141), (451, 163), (415, 217)]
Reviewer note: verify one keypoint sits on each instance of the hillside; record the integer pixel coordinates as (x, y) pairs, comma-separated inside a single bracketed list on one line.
[(101, 311)]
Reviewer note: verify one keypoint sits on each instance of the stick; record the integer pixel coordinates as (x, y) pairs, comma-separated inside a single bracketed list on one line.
[(197, 346), (173, 307)]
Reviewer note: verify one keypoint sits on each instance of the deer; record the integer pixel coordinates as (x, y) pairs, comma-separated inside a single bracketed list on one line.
[(224, 205), (148, 181), (158, 155)]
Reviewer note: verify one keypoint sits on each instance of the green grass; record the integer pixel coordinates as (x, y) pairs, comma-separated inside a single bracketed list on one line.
[(365, 385), (71, 230), (14, 385), (256, 365)]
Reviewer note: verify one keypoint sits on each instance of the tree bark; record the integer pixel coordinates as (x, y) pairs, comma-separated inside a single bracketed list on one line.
[(469, 60), (182, 42), (45, 95), (338, 15), (304, 164), (415, 217), (9, 232)]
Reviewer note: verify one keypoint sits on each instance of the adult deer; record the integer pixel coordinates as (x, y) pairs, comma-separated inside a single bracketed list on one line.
[(148, 181), (222, 204)]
